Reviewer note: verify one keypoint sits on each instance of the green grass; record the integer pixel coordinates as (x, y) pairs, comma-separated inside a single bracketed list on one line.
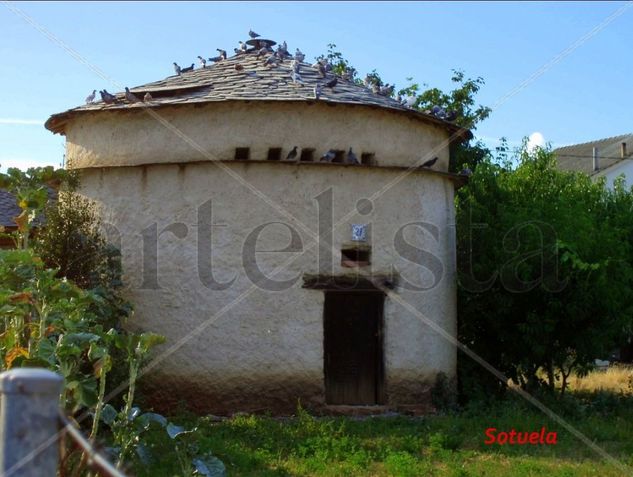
[(441, 445)]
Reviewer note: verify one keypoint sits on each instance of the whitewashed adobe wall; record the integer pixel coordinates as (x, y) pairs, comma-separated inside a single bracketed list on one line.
[(267, 350)]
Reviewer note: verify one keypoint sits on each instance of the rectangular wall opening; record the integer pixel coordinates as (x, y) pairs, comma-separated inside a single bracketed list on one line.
[(367, 158), (274, 154), (340, 156), (353, 257), (242, 153), (307, 154)]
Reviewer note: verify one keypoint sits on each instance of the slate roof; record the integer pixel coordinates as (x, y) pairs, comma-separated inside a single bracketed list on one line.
[(579, 157), (221, 82), (9, 208)]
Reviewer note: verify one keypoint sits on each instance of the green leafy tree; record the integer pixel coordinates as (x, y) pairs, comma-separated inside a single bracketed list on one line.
[(544, 268), (339, 63)]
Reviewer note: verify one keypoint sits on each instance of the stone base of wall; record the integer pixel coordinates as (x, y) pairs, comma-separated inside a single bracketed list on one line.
[(266, 395), (273, 395)]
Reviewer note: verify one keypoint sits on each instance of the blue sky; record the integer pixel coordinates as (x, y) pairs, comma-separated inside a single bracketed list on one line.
[(583, 96)]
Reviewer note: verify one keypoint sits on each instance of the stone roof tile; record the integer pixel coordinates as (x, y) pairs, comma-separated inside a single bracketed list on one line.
[(221, 82)]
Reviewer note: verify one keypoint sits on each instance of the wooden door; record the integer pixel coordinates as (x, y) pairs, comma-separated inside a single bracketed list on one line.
[(353, 347)]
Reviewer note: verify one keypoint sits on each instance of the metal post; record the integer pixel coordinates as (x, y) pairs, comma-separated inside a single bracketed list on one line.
[(29, 422)]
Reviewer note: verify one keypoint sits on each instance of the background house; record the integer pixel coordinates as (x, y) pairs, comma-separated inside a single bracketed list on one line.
[(185, 179), (609, 158), (8, 210)]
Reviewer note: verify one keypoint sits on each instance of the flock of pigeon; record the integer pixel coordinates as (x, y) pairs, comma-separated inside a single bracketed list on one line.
[(273, 58), (350, 157), (109, 98)]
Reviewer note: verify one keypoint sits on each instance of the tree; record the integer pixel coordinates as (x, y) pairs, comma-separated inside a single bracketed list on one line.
[(545, 270)]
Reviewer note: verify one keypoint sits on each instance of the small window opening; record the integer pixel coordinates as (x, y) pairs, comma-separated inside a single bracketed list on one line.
[(353, 257), (307, 154), (340, 156), (242, 153), (367, 158), (274, 154)]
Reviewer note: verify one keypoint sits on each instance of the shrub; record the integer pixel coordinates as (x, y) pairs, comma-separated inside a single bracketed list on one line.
[(72, 243)]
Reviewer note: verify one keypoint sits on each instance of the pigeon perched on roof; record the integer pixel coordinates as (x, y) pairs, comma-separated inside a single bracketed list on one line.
[(91, 97), (107, 97), (262, 51), (299, 56), (450, 116), (387, 90), (466, 172), (147, 97), (295, 65), (435, 110), (129, 96), (243, 46), (351, 157), (187, 69), (430, 162), (202, 61), (282, 52), (375, 88), (410, 101), (215, 59), (317, 91), (252, 34), (321, 68), (331, 83), (271, 60), (292, 155), (222, 53), (177, 68), (328, 156)]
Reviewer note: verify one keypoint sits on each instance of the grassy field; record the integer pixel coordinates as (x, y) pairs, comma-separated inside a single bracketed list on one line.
[(615, 378), (438, 445)]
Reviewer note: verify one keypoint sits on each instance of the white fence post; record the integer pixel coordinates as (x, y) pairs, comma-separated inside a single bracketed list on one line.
[(29, 422)]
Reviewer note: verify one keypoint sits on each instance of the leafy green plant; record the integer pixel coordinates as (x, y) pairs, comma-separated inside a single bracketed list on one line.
[(31, 190), (72, 243), (61, 310), (129, 427)]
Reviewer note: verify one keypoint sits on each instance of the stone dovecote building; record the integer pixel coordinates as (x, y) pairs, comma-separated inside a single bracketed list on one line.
[(196, 190)]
